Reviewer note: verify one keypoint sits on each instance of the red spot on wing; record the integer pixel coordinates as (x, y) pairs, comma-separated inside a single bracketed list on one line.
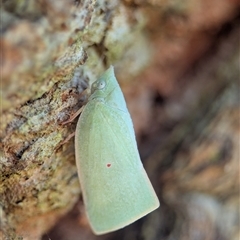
[(109, 164)]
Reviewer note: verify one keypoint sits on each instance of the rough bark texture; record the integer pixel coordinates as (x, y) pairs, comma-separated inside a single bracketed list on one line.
[(178, 65)]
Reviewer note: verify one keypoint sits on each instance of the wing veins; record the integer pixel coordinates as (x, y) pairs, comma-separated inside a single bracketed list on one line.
[(116, 136)]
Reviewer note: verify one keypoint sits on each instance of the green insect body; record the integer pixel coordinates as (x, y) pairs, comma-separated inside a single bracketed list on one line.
[(116, 189)]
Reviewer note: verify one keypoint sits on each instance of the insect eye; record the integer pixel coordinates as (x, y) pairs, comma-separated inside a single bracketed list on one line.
[(101, 84)]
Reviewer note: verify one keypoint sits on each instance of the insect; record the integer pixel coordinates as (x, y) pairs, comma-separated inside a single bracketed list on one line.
[(116, 189)]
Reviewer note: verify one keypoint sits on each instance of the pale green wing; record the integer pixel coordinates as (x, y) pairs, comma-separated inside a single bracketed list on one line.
[(116, 189)]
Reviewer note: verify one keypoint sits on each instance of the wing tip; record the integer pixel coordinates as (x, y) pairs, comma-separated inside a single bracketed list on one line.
[(126, 223)]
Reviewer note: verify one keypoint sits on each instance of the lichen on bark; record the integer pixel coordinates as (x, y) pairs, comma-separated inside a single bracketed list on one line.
[(51, 52)]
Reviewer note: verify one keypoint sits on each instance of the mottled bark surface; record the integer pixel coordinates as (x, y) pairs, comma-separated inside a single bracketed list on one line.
[(178, 65)]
